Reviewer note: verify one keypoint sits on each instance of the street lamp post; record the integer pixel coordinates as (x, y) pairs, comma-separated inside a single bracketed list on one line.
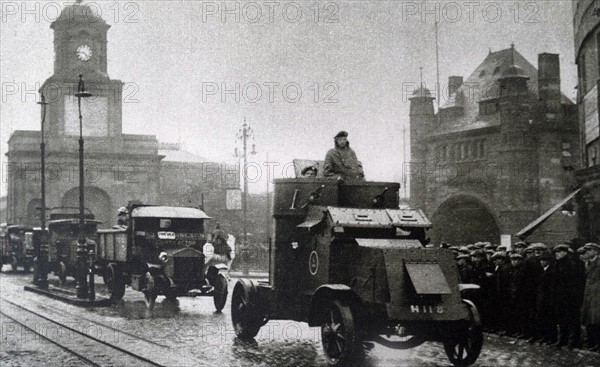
[(41, 273), (243, 135), (81, 288)]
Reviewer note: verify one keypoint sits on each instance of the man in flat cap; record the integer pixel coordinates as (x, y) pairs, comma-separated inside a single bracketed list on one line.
[(590, 312), (566, 298), (516, 294), (545, 319), (341, 162)]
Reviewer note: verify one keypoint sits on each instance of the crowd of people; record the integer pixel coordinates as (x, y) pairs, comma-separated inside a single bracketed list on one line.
[(534, 292)]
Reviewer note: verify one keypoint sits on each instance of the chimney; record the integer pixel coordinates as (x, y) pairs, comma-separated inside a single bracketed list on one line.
[(454, 82), (549, 83)]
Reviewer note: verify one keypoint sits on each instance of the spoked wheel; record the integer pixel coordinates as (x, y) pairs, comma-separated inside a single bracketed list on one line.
[(115, 284), (150, 292), (463, 347), (245, 316), (338, 334), (220, 292), (62, 273)]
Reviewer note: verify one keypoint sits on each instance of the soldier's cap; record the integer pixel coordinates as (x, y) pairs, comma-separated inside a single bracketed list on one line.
[(528, 249), (581, 250), (470, 247), (516, 255), (489, 246), (341, 134), (498, 255), (479, 245), (464, 250), (123, 210), (539, 246), (502, 247), (309, 168), (490, 251), (561, 247), (592, 246), (462, 256), (521, 244)]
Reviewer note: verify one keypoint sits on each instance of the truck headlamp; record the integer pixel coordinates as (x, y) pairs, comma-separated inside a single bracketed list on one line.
[(163, 257)]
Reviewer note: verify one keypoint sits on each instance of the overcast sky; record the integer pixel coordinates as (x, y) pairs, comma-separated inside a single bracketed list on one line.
[(350, 60)]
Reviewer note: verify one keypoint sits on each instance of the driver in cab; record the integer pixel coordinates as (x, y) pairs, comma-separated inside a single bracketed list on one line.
[(341, 162)]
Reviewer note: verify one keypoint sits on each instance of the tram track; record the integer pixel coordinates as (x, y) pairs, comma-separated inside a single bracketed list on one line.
[(95, 344)]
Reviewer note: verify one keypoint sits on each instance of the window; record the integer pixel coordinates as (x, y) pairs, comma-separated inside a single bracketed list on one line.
[(592, 156), (582, 75), (488, 107)]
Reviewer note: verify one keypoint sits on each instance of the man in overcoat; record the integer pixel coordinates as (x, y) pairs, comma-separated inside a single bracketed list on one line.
[(341, 161), (590, 312)]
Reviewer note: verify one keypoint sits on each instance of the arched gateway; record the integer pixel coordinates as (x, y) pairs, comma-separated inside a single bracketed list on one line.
[(96, 200), (464, 219)]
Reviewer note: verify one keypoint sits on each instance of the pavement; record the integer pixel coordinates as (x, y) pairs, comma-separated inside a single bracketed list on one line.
[(193, 329)]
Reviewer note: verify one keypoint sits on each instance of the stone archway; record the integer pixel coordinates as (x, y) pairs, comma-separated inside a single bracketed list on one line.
[(96, 200), (464, 219)]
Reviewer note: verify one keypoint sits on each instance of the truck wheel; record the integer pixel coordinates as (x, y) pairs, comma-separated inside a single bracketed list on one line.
[(62, 273), (338, 334), (245, 315), (113, 279), (150, 292), (463, 347), (220, 292)]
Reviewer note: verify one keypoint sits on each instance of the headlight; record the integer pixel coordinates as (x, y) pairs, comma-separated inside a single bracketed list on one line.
[(163, 257)]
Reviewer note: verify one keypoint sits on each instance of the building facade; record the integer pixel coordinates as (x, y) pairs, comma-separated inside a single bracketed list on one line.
[(118, 167), (586, 22), (499, 152)]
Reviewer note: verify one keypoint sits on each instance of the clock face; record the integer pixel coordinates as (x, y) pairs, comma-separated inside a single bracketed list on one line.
[(84, 52)]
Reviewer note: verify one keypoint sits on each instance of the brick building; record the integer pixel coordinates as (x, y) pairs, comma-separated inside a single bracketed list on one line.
[(118, 167), (586, 22), (498, 154)]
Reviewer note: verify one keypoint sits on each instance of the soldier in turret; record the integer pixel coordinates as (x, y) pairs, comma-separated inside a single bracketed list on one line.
[(341, 162)]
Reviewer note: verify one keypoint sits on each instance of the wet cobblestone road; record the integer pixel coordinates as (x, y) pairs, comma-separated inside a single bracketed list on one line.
[(195, 332)]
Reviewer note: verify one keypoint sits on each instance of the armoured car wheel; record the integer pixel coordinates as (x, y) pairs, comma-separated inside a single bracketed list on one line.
[(62, 272), (113, 279), (338, 334), (220, 292), (245, 316), (150, 292), (464, 347)]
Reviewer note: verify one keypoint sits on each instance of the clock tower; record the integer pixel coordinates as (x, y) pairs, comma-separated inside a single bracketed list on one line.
[(80, 47)]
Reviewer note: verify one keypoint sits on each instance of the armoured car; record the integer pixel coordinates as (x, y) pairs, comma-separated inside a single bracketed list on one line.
[(346, 258)]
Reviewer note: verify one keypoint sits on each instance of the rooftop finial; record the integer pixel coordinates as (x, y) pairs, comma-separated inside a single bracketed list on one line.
[(512, 53)]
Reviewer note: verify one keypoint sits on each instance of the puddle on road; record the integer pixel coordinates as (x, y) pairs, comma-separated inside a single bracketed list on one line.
[(135, 310)]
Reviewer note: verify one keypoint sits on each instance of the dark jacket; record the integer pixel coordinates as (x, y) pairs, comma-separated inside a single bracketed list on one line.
[(566, 291), (590, 312), (342, 162)]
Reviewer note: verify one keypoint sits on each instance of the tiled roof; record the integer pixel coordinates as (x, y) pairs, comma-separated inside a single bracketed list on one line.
[(481, 85)]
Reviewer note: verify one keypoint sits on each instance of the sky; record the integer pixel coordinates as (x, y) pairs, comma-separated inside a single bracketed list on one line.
[(303, 70)]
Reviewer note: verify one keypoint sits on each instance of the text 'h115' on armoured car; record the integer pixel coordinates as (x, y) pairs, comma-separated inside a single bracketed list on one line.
[(347, 259)]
